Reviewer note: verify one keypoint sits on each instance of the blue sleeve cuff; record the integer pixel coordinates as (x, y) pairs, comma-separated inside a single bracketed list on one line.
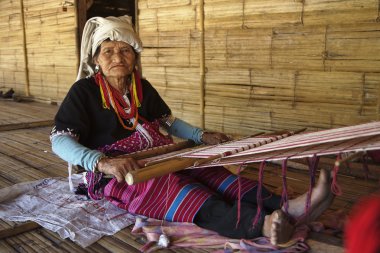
[(184, 130), (70, 150)]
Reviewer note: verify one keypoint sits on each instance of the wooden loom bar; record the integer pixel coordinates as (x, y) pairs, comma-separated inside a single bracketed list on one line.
[(198, 162), (166, 166), (159, 169), (159, 150), (139, 155), (215, 157), (174, 164)]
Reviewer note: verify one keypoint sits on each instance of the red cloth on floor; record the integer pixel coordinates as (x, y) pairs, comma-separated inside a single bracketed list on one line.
[(362, 232)]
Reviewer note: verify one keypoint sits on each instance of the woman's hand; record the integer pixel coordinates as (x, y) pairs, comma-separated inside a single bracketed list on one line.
[(119, 167), (212, 138)]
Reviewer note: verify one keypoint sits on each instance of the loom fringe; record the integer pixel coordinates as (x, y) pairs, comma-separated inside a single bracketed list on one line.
[(239, 193), (365, 166), (335, 188), (284, 194), (95, 190), (313, 164), (258, 196)]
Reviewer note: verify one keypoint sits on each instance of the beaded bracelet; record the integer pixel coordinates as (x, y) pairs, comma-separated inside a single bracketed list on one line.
[(167, 121), (201, 136)]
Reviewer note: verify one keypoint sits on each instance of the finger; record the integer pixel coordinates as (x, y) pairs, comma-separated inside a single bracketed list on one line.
[(225, 138), (130, 164), (141, 163), (119, 177), (134, 164)]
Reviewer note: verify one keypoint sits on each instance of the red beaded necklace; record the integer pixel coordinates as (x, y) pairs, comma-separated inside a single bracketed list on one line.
[(111, 97)]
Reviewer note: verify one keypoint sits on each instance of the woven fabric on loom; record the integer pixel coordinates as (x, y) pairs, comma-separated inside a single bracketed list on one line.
[(362, 137), (234, 147)]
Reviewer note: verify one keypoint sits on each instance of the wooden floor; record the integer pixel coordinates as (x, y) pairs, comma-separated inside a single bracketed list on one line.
[(25, 155)]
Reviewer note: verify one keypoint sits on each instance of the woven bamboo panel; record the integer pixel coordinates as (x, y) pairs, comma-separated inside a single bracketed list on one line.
[(51, 44), (178, 48), (292, 98), (298, 48), (299, 63), (272, 13), (252, 13), (50, 36), (12, 64), (238, 48), (223, 14), (353, 48), (335, 12), (269, 65), (180, 87), (166, 3), (167, 18)]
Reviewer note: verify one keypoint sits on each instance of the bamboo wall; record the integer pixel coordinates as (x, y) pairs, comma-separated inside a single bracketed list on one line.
[(270, 64), (42, 62), (12, 66)]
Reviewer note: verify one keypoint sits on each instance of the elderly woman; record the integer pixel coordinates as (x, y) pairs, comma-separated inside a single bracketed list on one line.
[(111, 110)]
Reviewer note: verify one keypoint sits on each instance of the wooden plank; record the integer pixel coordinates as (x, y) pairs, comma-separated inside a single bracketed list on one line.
[(6, 247), (14, 126), (323, 247), (18, 229)]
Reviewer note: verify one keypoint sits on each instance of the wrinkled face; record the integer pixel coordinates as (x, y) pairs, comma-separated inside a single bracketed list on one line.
[(116, 59)]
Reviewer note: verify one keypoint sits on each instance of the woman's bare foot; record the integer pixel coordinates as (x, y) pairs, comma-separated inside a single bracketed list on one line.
[(278, 228), (277, 225), (321, 198)]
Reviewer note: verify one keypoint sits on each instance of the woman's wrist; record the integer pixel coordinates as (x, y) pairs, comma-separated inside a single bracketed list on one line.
[(201, 135), (95, 167)]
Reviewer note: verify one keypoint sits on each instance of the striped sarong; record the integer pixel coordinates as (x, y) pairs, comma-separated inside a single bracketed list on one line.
[(177, 196)]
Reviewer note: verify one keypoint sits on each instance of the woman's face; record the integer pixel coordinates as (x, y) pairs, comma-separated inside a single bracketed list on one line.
[(116, 59)]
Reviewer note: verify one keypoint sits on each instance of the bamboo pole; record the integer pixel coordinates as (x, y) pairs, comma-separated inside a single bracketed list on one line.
[(27, 82), (202, 63), (158, 170), (80, 20)]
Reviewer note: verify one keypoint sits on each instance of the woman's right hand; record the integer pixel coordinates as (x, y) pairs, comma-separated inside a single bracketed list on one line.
[(119, 167)]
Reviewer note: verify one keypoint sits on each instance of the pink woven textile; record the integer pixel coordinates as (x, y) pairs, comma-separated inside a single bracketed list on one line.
[(174, 197), (136, 142), (188, 235)]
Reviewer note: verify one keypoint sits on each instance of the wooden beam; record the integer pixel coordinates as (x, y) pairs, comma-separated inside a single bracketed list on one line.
[(25, 49), (23, 125), (202, 67), (81, 12), (18, 229)]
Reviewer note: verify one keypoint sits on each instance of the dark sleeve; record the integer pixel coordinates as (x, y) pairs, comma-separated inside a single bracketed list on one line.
[(153, 106), (73, 116)]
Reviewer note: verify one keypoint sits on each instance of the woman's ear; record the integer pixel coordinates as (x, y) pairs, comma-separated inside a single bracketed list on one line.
[(95, 60), (96, 63)]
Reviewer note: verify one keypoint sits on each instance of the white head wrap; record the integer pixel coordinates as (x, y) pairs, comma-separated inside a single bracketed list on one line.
[(97, 30)]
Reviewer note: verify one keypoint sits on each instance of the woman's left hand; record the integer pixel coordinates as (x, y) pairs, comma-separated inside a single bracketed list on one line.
[(212, 138)]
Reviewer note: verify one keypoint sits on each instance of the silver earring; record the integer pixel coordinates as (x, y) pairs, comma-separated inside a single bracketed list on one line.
[(97, 68)]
